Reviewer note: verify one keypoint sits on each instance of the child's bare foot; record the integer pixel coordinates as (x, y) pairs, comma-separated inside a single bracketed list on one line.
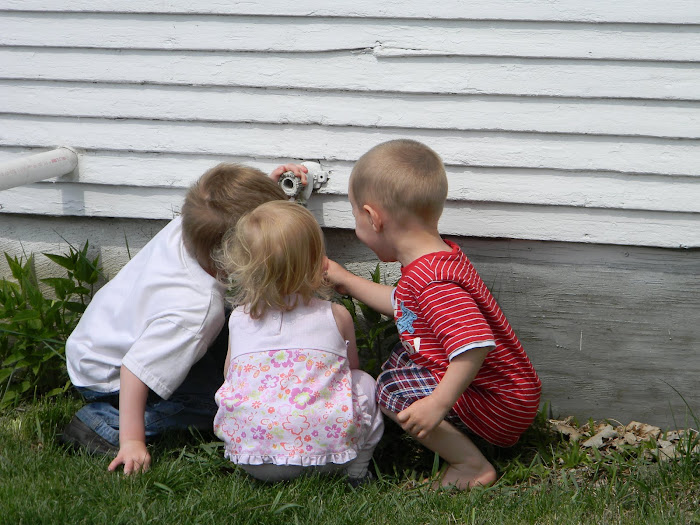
[(467, 466), (465, 477)]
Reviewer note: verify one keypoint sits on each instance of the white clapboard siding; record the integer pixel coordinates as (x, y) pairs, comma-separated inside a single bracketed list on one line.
[(467, 148), (596, 226), (665, 229), (673, 119), (578, 121), (504, 185), (404, 36), (630, 11), (362, 71)]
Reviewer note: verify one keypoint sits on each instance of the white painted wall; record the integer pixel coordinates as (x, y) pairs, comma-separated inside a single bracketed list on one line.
[(557, 120)]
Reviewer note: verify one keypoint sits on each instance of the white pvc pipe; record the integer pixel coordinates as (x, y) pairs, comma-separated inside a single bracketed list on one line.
[(46, 165)]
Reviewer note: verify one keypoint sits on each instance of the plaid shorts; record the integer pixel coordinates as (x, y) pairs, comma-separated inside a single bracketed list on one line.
[(401, 383)]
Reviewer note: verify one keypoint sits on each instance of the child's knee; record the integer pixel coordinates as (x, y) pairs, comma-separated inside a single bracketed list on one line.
[(388, 396), (364, 390), (364, 383), (399, 388), (364, 387)]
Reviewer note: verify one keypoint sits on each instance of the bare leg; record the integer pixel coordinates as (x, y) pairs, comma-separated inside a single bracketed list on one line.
[(467, 465)]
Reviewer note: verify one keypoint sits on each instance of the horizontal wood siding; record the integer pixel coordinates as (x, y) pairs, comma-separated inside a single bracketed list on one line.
[(630, 11), (360, 71), (386, 37), (557, 120), (652, 118)]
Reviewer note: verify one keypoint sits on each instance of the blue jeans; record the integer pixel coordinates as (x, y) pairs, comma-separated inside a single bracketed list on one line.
[(191, 405)]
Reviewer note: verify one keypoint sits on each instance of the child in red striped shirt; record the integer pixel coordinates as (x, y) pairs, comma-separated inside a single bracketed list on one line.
[(460, 369)]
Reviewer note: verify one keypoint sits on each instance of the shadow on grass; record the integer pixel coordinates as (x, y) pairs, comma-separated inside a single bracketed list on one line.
[(400, 456)]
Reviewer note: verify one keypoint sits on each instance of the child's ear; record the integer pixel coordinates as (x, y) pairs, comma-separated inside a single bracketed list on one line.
[(375, 217)]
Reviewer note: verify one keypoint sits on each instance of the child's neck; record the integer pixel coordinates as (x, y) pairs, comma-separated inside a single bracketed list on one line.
[(414, 241)]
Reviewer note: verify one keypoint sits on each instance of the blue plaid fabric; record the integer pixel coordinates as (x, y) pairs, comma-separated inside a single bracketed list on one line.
[(401, 383)]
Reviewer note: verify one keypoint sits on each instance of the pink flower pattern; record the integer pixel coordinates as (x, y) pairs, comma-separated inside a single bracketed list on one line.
[(258, 433), (269, 382), (280, 358), (333, 431), (301, 397), (289, 404)]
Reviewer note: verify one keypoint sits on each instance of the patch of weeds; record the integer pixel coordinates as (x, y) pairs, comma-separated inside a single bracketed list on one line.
[(516, 472), (34, 326), (375, 333)]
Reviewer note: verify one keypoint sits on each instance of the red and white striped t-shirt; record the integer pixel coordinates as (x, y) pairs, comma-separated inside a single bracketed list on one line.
[(442, 308)]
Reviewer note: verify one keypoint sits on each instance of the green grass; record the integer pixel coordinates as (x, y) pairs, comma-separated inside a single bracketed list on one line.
[(544, 480)]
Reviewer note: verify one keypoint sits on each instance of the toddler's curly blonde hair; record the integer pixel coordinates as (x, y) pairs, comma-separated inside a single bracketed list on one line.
[(273, 258)]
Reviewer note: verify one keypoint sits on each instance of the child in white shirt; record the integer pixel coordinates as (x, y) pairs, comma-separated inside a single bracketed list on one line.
[(145, 350)]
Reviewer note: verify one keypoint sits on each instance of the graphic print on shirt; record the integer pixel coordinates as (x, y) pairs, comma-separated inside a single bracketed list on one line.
[(405, 325), (411, 346), (405, 322)]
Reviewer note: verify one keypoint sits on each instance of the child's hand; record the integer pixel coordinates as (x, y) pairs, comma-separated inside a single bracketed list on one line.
[(374, 295), (334, 272), (298, 170), (421, 418), (133, 455)]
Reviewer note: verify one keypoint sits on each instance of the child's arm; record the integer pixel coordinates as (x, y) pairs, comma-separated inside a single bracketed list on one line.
[(133, 453), (425, 414), (347, 329), (227, 361), (376, 296)]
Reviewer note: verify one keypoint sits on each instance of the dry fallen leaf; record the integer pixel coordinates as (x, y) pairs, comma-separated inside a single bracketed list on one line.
[(643, 430), (606, 438), (564, 427), (607, 432), (630, 438)]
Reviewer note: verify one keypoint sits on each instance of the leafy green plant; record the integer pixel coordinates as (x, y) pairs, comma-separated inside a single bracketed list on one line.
[(375, 333), (34, 326)]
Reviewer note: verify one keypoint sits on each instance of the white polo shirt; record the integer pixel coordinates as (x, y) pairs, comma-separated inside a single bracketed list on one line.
[(157, 317)]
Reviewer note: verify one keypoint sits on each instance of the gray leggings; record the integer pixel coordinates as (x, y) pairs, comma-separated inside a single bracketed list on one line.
[(272, 473)]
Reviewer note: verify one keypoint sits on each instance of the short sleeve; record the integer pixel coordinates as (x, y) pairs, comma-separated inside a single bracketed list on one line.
[(163, 355), (454, 318)]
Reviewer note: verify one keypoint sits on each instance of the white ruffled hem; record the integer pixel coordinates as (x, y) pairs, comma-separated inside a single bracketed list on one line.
[(338, 458)]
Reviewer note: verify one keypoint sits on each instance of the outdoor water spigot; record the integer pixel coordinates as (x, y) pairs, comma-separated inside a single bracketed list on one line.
[(294, 189)]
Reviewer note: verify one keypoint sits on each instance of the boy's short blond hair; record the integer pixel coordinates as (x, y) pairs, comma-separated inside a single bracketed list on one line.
[(402, 177), (273, 258), (216, 201)]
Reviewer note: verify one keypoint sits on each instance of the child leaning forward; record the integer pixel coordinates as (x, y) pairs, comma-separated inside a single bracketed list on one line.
[(144, 351), (293, 400), (459, 369)]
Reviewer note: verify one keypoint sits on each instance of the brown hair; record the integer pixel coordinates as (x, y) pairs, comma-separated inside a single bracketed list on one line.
[(401, 176), (216, 201), (273, 258)]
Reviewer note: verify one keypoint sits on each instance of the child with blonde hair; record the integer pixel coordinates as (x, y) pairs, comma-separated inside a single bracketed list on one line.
[(144, 352), (293, 400), (459, 369)]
